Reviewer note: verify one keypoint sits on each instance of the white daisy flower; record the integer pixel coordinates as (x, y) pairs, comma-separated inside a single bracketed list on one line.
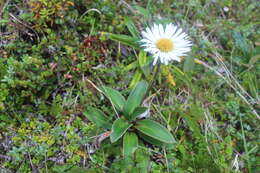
[(165, 43)]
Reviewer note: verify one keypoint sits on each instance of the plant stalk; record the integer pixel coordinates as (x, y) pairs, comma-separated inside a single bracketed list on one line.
[(155, 73)]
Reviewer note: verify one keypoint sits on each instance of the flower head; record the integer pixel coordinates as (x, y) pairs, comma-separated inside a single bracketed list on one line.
[(165, 43)]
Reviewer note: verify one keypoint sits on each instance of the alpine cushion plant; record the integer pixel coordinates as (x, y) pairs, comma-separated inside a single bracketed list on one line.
[(128, 125)]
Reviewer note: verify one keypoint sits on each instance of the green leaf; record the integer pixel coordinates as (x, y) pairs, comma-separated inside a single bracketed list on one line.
[(138, 111), (4, 21), (155, 141), (136, 97), (131, 27), (144, 62), (2, 70), (142, 11), (154, 130), (130, 144), (137, 77), (142, 58), (98, 117), (124, 39), (130, 66), (116, 98), (119, 127)]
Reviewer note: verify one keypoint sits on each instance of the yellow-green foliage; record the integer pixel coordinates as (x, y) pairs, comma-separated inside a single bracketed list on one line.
[(47, 11), (49, 49)]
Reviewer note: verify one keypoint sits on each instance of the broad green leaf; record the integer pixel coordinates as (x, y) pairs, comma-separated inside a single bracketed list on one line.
[(119, 127), (98, 117), (136, 97), (137, 77), (154, 130), (155, 141), (130, 144), (131, 27), (124, 39), (116, 98), (138, 111)]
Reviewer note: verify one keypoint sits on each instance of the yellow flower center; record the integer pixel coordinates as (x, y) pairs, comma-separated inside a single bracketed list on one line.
[(164, 45)]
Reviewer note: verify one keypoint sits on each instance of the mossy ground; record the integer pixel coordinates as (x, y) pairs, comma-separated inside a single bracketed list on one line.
[(50, 49)]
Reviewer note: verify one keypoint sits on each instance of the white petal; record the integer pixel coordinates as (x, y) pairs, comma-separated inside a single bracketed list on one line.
[(155, 59), (176, 58), (146, 40), (146, 35), (152, 50), (168, 30), (161, 30), (174, 28), (178, 32), (182, 44), (151, 35), (157, 32)]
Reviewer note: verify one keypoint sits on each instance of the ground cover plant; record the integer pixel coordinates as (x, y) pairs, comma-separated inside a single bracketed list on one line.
[(66, 67)]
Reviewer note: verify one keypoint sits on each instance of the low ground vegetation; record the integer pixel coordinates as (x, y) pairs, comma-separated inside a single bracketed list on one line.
[(54, 53)]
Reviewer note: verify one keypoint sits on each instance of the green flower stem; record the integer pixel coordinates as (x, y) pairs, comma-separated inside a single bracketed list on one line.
[(155, 73)]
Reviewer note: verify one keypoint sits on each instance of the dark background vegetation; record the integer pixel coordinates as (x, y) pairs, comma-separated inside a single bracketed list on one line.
[(48, 48)]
